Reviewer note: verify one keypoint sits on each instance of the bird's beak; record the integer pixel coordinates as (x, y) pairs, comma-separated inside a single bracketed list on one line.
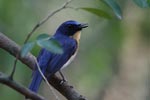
[(83, 25)]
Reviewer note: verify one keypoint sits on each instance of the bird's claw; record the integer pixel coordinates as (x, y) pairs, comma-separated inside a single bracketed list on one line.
[(63, 81)]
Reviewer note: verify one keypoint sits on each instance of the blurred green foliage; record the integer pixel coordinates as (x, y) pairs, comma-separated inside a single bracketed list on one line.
[(96, 61)]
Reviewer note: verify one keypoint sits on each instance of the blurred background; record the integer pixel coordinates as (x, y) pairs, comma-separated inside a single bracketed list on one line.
[(113, 62)]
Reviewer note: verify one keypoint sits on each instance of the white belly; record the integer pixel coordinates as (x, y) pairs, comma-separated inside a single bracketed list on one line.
[(76, 36), (69, 61)]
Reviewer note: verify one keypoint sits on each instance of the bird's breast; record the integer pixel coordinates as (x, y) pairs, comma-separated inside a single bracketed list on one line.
[(69, 61), (77, 36)]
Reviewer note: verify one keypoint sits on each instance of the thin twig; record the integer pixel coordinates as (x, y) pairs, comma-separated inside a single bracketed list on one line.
[(14, 68), (64, 6), (45, 79)]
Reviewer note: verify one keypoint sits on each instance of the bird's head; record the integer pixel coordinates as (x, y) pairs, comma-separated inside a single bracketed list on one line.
[(70, 28)]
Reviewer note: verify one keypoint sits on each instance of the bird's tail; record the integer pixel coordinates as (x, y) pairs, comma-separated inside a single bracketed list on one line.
[(36, 81)]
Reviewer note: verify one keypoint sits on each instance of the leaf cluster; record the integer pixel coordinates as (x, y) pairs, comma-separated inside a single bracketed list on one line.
[(115, 7), (44, 41)]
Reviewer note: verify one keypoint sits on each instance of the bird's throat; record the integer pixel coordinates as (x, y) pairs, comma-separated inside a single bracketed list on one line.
[(77, 36)]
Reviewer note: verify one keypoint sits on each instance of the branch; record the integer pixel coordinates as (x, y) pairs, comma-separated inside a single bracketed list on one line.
[(4, 79), (12, 48), (65, 89)]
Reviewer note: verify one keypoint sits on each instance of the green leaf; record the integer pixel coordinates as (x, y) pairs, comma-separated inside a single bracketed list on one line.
[(148, 1), (43, 36), (142, 3), (97, 12), (49, 43), (115, 7), (27, 48)]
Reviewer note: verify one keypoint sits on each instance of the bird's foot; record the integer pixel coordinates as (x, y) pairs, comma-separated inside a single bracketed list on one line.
[(63, 81)]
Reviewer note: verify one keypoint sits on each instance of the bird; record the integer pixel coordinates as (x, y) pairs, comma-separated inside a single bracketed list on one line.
[(68, 36)]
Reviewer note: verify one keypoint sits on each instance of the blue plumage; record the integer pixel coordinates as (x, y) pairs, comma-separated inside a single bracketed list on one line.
[(49, 62)]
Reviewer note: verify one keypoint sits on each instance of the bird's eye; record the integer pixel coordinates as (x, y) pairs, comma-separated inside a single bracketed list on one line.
[(70, 26)]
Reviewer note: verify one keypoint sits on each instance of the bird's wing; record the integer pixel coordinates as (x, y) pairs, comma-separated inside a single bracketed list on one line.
[(58, 60), (43, 58)]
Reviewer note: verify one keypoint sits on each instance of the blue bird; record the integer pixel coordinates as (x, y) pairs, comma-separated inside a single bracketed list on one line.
[(68, 35)]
